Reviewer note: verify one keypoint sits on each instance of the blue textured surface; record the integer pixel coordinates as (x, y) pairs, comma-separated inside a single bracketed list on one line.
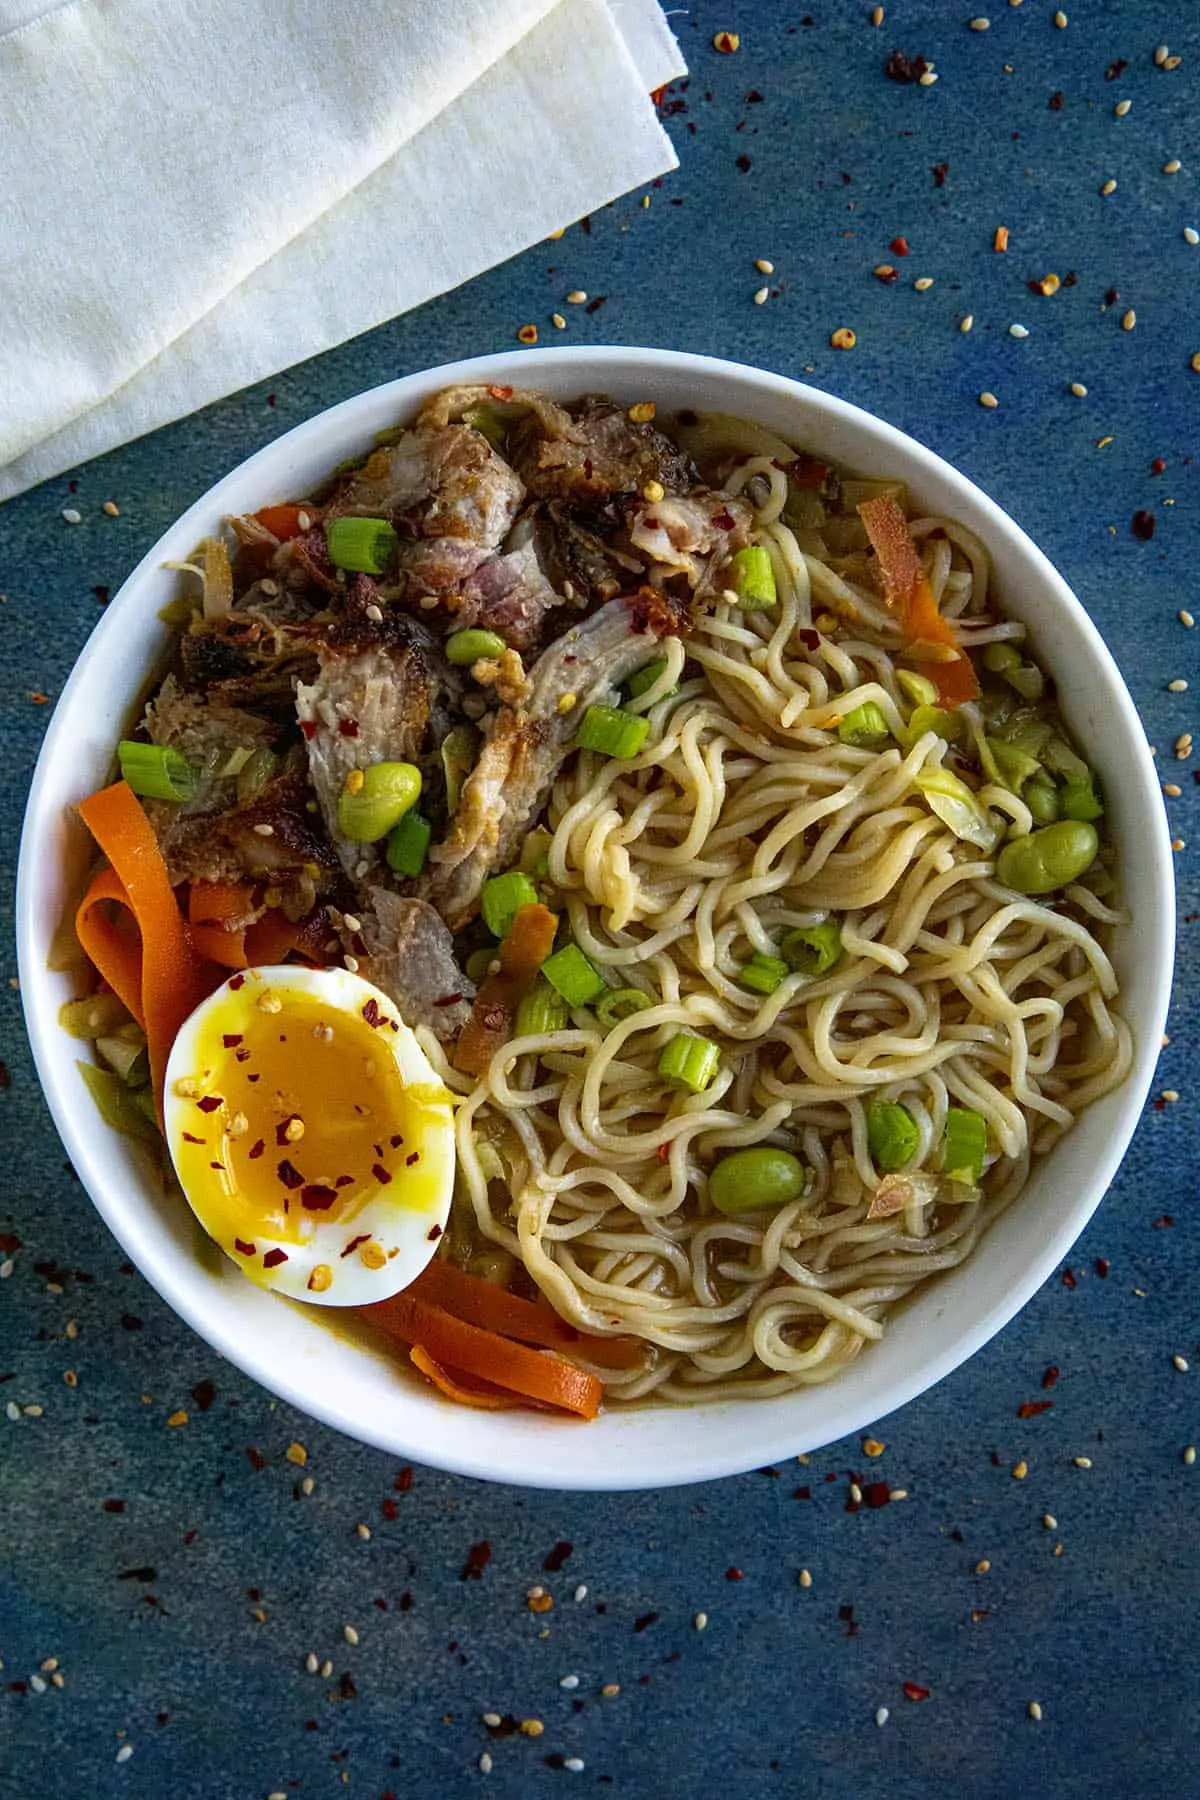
[(150, 1607)]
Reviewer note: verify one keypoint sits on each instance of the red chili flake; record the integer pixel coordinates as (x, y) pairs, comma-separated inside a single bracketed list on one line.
[(308, 727), (1029, 1409), (231, 1039), (555, 1558), (389, 1509), (1116, 69), (663, 1153), (9, 1242), (144, 1572), (403, 1479), (744, 163), (344, 1181), (413, 1157), (593, 306), (348, 728), (876, 1493), (289, 1174), (190, 1138), (372, 1014), (500, 393), (363, 1238), (1111, 296), (381, 1174), (39, 699), (273, 1258), (217, 1165), (899, 246), (114, 1506), (256, 1150), (405, 1602), (1057, 100), (1050, 1376), (258, 1461), (315, 1197), (899, 67), (1158, 466), (396, 1139), (281, 1131), (1161, 1224), (235, 983), (914, 1691), (802, 1493), (646, 1620), (210, 1103), (1142, 525), (940, 172), (886, 274), (433, 1234), (724, 520), (131, 1322), (102, 594), (733, 1574), (446, 1000), (243, 1248), (478, 1558), (1068, 1279), (1102, 1266)]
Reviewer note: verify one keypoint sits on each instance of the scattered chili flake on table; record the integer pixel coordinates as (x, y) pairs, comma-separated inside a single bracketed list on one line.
[(902, 68), (899, 246), (1143, 525), (914, 1691), (726, 42)]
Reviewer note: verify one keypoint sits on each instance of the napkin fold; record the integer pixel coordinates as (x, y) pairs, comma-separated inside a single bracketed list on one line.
[(198, 196)]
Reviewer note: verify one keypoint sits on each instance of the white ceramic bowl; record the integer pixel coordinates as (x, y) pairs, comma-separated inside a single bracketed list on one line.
[(289, 1348)]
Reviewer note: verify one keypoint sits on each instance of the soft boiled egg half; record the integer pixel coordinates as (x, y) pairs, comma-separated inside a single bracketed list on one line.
[(311, 1134)]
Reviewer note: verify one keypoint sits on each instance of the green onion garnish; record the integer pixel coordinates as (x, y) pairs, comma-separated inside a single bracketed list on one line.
[(1079, 800), (917, 688), (964, 1145), (408, 844), (570, 972), (813, 949), (864, 727), (365, 546), (156, 772), (621, 1003), (466, 647), (753, 577), (540, 1010), (690, 1062), (368, 809), (502, 899), (612, 732), (763, 973), (892, 1134), (642, 680)]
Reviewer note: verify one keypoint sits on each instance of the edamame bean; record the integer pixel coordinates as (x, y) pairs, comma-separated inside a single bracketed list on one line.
[(749, 1180), (1049, 858)]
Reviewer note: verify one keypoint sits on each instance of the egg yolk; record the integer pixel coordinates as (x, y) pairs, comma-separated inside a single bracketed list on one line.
[(301, 1119)]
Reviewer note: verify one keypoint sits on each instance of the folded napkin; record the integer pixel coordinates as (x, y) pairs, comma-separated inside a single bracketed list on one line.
[(197, 196)]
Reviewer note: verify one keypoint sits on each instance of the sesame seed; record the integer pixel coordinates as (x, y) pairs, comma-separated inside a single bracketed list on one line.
[(988, 399), (112, 509), (532, 1727), (1018, 331), (981, 1568), (1049, 1521), (308, 1484), (1060, 19), (1178, 686), (1191, 235), (6, 1268), (804, 1578), (923, 283), (1189, 1455), (48, 1665), (1079, 391), (72, 515), (492, 1718), (1000, 238), (124, 1753), (71, 1329), (178, 1418), (764, 266), (1180, 1363), (928, 78), (1161, 54), (877, 15), (349, 1633), (1173, 167), (558, 322), (1178, 844), (1170, 1095), (37, 1684), (577, 296), (575, 1764), (485, 1761), (897, 1493), (311, 1663), (1122, 107), (569, 1681), (58, 1680), (304, 521), (1082, 1462), (1185, 617), (1172, 790), (326, 1669), (12, 1411), (1108, 187), (1035, 1711), (611, 1689), (873, 1447), (761, 296), (1129, 320), (580, 1594), (264, 830), (966, 322), (364, 1532), (1020, 1470), (351, 963), (980, 24)]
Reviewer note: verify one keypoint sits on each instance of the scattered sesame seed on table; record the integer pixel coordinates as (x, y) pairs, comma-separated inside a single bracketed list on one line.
[(184, 1610)]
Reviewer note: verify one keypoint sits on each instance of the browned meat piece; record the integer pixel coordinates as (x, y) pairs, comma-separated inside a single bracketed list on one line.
[(254, 655), (580, 560), (438, 567), (508, 594), (217, 740), (692, 535), (595, 453), (525, 748), (410, 955), (371, 701), (444, 482)]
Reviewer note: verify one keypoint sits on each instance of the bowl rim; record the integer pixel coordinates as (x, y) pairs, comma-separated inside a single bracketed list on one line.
[(615, 364)]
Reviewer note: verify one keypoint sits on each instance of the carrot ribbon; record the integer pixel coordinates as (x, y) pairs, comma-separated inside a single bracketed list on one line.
[(154, 966), (932, 639), (529, 942), (493, 1308)]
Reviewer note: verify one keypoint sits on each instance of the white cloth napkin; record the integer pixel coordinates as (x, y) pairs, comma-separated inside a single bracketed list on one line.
[(195, 196)]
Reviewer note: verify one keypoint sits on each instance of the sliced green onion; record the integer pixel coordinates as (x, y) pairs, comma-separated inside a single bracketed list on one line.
[(642, 680), (1028, 680), (892, 1135), (753, 577), (388, 790), (621, 1003), (1041, 797), (690, 1062), (957, 807), (999, 659), (916, 688), (964, 1145), (813, 949), (502, 898), (763, 973), (458, 759), (947, 725), (100, 1015), (1062, 760), (117, 1104), (156, 772), (864, 727), (466, 647), (1079, 800), (365, 546), (749, 1180), (489, 422), (541, 1010), (126, 1058), (1014, 765), (612, 732), (570, 972), (408, 844)]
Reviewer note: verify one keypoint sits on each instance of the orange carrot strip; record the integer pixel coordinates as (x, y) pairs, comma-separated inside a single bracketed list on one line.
[(110, 947), (217, 902), (534, 1374), (282, 522), (907, 593), (173, 978), (272, 938), (220, 945), (492, 1308), (456, 1386), (528, 944)]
